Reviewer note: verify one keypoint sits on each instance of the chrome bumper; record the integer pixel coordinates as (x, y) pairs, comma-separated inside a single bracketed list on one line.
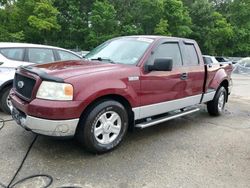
[(55, 128)]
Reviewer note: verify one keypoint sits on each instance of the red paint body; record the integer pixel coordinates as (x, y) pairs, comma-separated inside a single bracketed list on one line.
[(92, 80)]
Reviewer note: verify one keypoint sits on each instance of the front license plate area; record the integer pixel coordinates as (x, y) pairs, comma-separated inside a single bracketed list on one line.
[(17, 116)]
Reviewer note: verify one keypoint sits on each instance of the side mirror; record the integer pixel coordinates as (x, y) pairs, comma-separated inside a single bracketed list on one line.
[(161, 64)]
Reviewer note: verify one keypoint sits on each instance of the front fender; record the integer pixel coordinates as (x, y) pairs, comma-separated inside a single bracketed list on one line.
[(109, 87), (92, 88)]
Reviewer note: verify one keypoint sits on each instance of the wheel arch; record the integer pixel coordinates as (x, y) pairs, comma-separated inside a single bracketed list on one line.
[(116, 97), (5, 85), (225, 84)]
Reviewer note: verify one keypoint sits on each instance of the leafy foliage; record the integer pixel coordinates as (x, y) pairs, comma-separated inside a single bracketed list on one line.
[(221, 27), (210, 28), (102, 23), (44, 18)]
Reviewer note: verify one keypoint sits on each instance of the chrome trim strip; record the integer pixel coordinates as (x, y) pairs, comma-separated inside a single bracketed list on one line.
[(163, 107), (167, 118), (208, 96), (47, 127)]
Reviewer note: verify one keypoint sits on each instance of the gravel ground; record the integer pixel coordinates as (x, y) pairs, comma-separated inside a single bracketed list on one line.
[(192, 151)]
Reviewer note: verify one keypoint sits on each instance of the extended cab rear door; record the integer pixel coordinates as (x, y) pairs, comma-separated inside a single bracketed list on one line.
[(194, 67)]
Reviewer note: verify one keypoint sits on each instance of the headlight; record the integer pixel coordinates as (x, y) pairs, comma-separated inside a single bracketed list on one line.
[(55, 91)]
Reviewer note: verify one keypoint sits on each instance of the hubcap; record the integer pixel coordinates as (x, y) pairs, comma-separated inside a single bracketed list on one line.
[(107, 127), (221, 102)]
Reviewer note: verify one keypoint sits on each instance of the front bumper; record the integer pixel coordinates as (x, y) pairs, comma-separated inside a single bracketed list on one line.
[(55, 128)]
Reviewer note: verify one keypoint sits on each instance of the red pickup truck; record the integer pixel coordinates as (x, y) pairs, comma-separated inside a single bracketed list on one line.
[(125, 83)]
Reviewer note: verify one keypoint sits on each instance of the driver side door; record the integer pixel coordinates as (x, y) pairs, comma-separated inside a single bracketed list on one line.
[(158, 88)]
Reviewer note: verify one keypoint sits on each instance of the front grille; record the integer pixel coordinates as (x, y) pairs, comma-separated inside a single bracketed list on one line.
[(24, 85)]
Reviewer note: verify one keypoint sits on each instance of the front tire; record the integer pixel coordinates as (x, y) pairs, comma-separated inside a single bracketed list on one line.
[(5, 100), (104, 126), (217, 105)]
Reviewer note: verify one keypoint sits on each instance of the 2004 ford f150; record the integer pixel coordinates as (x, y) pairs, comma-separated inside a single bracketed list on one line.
[(126, 82)]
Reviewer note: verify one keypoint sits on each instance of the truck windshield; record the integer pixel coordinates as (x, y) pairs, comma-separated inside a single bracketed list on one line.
[(121, 50)]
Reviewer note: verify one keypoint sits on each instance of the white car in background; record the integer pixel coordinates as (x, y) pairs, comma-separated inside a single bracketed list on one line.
[(243, 66), (13, 55), (210, 60)]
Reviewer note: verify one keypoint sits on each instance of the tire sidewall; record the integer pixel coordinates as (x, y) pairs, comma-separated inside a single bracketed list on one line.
[(221, 90), (93, 117), (4, 96)]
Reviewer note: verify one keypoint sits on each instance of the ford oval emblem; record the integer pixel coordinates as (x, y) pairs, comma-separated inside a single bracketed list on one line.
[(20, 84)]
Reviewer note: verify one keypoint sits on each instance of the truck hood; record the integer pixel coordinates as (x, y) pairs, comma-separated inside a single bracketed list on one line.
[(67, 69)]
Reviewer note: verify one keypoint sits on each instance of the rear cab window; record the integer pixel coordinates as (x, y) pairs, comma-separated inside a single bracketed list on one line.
[(13, 53), (190, 55)]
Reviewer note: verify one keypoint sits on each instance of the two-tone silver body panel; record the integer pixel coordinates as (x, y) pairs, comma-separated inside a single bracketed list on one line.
[(168, 106)]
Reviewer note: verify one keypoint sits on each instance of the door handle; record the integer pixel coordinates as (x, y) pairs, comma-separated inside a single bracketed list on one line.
[(184, 76)]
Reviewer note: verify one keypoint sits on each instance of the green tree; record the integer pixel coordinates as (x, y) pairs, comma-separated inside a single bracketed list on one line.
[(8, 20), (162, 28), (210, 28), (17, 24), (102, 23), (220, 27), (166, 17), (148, 15), (177, 17), (238, 15), (127, 16), (44, 18), (73, 19)]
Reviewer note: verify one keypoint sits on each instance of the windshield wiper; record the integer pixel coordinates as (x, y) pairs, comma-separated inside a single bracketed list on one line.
[(104, 59)]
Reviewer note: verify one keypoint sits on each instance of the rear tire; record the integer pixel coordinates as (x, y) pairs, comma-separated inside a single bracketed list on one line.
[(4, 101), (103, 127), (217, 105)]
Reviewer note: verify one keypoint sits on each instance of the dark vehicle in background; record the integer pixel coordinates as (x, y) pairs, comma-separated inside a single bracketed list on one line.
[(13, 55), (222, 59)]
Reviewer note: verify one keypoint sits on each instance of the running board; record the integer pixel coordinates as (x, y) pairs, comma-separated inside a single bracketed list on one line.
[(165, 118)]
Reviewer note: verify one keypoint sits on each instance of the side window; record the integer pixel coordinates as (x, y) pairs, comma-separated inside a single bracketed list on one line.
[(191, 55), (63, 55), (169, 50), (39, 55), (13, 53)]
